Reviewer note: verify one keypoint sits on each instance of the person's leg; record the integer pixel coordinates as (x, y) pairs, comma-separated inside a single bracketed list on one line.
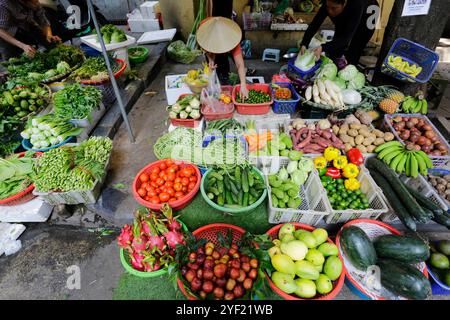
[(357, 45)]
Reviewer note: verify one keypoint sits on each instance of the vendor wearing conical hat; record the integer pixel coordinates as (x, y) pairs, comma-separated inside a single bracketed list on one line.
[(222, 36)]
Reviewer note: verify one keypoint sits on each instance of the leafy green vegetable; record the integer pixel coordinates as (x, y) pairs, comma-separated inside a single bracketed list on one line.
[(76, 101), (15, 175), (348, 73), (94, 68), (180, 52), (112, 34)]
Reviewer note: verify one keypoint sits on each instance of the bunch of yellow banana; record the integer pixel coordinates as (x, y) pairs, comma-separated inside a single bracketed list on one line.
[(415, 105), (403, 160), (404, 66)]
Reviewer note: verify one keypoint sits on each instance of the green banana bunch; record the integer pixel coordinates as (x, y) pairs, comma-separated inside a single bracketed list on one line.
[(415, 105), (404, 159)]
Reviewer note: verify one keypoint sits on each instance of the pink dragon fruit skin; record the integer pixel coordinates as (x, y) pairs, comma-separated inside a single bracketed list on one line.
[(174, 225), (136, 261), (139, 244), (156, 242), (173, 238), (126, 237)]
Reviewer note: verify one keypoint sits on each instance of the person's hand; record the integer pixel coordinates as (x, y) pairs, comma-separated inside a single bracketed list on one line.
[(302, 50), (244, 91), (30, 51), (212, 65), (317, 52), (52, 38)]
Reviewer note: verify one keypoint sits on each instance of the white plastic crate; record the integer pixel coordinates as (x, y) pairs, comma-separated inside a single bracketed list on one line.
[(175, 87), (377, 203), (268, 164), (314, 207), (424, 187), (438, 161)]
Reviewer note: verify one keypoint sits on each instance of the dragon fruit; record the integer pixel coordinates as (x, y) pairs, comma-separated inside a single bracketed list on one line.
[(173, 238), (136, 261), (174, 225), (139, 243), (156, 242), (126, 237)]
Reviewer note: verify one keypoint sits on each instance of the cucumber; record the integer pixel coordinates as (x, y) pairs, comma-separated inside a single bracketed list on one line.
[(245, 185), (220, 186), (210, 196), (237, 174), (442, 219), (251, 178), (226, 182), (245, 200), (241, 197), (220, 200), (255, 193), (358, 248), (216, 175), (424, 201), (403, 279), (408, 200), (215, 191), (233, 188), (395, 202), (229, 199), (212, 181), (235, 198), (402, 248)]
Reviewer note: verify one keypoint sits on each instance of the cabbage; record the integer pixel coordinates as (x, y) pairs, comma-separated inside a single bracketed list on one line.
[(340, 83), (351, 96), (348, 73), (328, 71), (357, 82), (306, 61)]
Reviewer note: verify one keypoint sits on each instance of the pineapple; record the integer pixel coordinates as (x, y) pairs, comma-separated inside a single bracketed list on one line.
[(395, 95), (389, 106)]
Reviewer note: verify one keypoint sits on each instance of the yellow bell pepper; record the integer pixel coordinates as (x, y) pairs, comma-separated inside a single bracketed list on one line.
[(320, 162), (352, 184), (331, 153), (350, 171), (340, 162)]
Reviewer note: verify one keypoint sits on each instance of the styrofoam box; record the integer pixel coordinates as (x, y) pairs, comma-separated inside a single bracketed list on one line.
[(143, 25), (9, 232), (35, 210), (172, 94), (148, 9)]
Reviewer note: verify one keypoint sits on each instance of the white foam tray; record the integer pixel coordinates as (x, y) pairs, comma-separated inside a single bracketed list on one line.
[(157, 36), (35, 210), (9, 232), (91, 41)]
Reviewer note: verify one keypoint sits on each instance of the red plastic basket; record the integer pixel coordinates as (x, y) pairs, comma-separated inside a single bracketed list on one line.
[(191, 123), (253, 109), (23, 196), (121, 70), (227, 114), (337, 285), (176, 205), (209, 232), (352, 281)]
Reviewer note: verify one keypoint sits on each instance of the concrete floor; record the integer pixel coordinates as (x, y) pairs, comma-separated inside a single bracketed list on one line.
[(39, 270)]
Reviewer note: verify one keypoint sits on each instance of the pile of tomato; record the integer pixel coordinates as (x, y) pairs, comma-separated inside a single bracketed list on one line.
[(167, 182)]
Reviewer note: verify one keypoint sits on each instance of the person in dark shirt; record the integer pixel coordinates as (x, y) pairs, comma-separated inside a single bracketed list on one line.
[(353, 28), (22, 25)]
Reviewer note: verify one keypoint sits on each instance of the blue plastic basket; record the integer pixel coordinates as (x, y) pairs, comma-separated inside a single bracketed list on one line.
[(27, 145), (414, 53), (285, 106), (437, 286), (303, 74), (89, 52)]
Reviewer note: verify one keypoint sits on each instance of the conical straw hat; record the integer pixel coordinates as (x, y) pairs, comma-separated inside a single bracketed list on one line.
[(219, 35)]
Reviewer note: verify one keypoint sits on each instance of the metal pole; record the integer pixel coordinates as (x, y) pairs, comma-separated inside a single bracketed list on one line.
[(110, 72)]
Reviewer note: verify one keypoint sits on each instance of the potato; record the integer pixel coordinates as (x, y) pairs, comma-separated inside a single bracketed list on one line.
[(335, 129), (388, 136), (371, 148), (378, 133), (352, 141), (378, 141), (344, 127), (359, 139), (355, 126), (348, 147), (344, 138), (343, 131), (368, 141), (365, 133), (352, 132), (362, 148)]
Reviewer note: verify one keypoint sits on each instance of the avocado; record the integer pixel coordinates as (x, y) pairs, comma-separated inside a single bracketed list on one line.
[(444, 247)]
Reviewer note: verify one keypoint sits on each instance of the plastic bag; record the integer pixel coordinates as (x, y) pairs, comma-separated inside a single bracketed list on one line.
[(214, 87), (180, 52)]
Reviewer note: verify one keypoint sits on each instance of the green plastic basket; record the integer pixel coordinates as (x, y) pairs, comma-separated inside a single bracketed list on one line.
[(232, 210), (126, 262), (139, 59)]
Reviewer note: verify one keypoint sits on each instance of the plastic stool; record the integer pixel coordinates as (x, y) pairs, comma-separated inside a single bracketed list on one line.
[(271, 55)]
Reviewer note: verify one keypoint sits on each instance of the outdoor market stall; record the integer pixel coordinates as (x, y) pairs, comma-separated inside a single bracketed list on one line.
[(235, 207)]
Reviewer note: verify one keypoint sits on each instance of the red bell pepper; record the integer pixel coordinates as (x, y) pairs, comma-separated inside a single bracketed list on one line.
[(333, 173), (355, 156)]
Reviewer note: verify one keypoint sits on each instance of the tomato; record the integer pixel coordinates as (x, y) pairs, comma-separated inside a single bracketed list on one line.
[(179, 194), (172, 169), (155, 200), (187, 172), (168, 162), (177, 186), (161, 174), (142, 192), (185, 181), (170, 191), (149, 188), (193, 178), (172, 199), (164, 197), (191, 186), (146, 198), (184, 189), (177, 180), (162, 166), (143, 177), (171, 176), (154, 176), (158, 191), (151, 194), (169, 184), (155, 170), (154, 184), (160, 182)]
